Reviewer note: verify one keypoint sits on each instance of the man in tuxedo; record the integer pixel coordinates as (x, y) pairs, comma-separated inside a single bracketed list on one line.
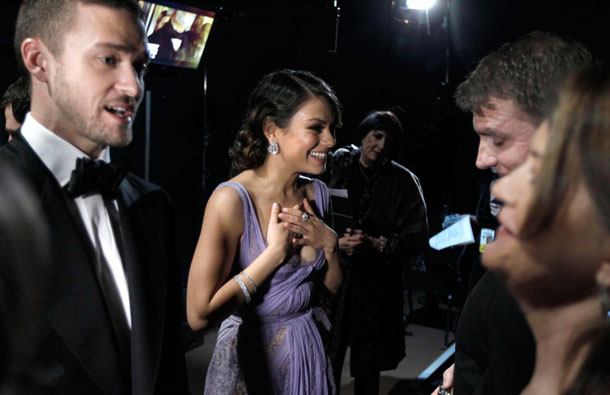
[(110, 322)]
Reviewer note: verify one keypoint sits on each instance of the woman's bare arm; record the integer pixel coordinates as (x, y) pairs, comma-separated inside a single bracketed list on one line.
[(211, 295)]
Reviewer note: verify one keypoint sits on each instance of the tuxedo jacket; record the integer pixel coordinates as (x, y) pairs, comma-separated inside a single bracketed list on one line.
[(75, 349)]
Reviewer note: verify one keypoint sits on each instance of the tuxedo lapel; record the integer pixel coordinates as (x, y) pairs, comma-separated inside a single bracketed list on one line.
[(75, 307), (147, 287)]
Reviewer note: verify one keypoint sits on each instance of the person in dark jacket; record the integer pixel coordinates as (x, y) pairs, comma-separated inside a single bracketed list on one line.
[(388, 226), (110, 322)]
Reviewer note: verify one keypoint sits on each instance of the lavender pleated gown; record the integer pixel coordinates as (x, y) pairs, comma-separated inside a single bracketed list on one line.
[(272, 345)]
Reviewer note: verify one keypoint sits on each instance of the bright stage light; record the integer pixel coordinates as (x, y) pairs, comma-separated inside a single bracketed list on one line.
[(420, 4)]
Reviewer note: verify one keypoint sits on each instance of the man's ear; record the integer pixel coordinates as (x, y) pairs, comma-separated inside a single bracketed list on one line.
[(270, 129), (35, 57)]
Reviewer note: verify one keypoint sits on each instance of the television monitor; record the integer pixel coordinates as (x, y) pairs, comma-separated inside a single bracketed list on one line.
[(177, 33)]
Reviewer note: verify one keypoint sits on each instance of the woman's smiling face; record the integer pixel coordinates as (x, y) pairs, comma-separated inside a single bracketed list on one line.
[(309, 136)]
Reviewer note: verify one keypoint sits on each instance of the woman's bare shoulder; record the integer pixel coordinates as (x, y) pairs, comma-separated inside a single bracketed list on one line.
[(225, 196), (224, 208)]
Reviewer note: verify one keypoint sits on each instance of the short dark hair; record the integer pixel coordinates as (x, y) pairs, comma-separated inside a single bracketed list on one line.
[(524, 71), (386, 121), (18, 97), (277, 96), (48, 20)]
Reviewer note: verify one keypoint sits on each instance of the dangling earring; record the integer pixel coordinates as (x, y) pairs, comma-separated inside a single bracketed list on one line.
[(273, 148)]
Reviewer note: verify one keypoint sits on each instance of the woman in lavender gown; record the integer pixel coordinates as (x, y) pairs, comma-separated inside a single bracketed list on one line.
[(264, 246)]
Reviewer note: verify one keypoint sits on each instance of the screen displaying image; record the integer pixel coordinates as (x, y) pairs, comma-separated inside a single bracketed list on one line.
[(176, 33)]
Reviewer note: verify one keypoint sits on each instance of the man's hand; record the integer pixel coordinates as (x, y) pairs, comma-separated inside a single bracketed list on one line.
[(447, 386)]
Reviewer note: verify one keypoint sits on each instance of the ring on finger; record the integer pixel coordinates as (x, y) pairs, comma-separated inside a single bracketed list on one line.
[(305, 216), (443, 391)]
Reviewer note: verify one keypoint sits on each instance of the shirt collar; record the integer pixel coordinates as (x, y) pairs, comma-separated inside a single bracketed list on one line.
[(56, 153)]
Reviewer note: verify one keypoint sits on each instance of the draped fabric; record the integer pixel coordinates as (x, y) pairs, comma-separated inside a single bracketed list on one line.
[(273, 345)]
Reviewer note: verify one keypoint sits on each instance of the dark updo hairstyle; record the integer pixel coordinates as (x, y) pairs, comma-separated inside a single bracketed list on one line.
[(385, 121), (277, 96)]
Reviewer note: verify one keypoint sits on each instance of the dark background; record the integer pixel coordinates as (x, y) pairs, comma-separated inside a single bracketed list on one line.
[(380, 62)]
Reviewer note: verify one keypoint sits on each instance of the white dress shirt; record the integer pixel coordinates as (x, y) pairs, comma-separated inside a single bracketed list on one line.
[(60, 157)]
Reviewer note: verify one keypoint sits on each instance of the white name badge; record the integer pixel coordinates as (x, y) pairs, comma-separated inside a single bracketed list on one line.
[(487, 236)]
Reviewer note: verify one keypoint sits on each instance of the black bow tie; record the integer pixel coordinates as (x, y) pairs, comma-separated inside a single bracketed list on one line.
[(96, 176)]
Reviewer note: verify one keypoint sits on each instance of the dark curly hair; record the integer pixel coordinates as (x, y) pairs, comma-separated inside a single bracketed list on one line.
[(277, 96), (523, 71)]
